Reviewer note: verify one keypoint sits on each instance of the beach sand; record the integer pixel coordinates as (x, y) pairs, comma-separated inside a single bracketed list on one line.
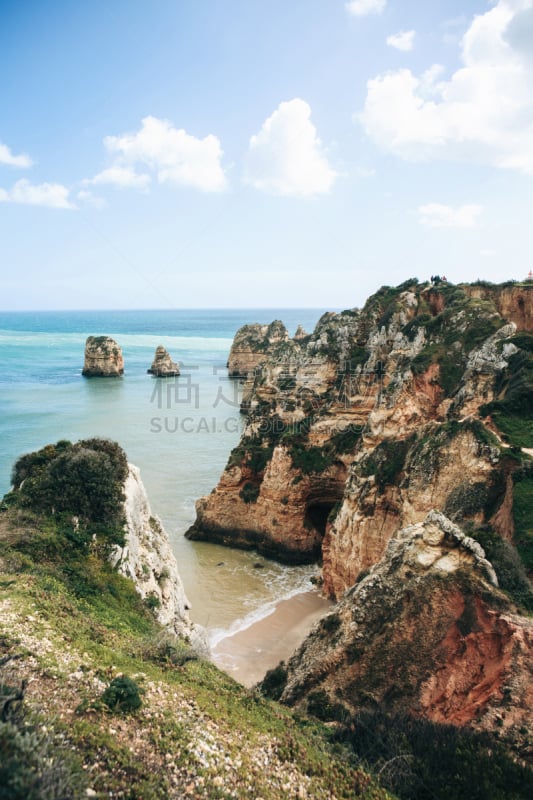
[(248, 654)]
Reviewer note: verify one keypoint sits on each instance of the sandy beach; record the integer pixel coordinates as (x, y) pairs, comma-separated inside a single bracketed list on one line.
[(248, 654)]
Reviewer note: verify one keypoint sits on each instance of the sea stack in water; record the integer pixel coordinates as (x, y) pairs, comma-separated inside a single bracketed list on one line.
[(162, 365), (103, 358)]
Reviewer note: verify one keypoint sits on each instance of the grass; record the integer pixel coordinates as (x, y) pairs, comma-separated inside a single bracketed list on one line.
[(195, 723), (523, 516)]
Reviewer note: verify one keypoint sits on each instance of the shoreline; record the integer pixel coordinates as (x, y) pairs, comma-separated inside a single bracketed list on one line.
[(248, 654)]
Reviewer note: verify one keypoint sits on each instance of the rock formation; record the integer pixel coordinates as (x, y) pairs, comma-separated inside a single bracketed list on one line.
[(162, 365), (426, 632), (380, 415), (103, 358), (147, 559), (252, 345)]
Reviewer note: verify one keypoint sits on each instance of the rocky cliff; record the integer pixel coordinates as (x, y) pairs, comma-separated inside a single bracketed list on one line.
[(252, 345), (420, 400), (147, 559), (163, 366), (103, 358), (426, 632)]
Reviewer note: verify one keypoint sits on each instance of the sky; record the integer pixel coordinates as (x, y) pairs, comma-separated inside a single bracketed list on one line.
[(244, 153)]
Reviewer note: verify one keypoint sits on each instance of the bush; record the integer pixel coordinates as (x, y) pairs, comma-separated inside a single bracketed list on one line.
[(84, 480), (418, 759), (249, 493), (122, 695), (274, 682)]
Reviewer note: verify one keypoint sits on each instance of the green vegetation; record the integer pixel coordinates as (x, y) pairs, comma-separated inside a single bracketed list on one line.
[(513, 410), (386, 461), (249, 492), (505, 559), (122, 695), (523, 514), (92, 648), (419, 759), (33, 765), (85, 479), (457, 325)]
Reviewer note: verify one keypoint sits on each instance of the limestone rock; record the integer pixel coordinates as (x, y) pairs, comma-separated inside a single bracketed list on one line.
[(162, 365), (147, 559), (252, 345), (300, 334), (426, 632), (365, 425), (103, 358)]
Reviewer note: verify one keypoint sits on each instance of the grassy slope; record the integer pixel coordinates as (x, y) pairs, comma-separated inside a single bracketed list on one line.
[(76, 625)]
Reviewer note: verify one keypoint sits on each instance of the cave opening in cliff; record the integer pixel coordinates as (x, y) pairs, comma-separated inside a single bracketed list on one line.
[(316, 516)]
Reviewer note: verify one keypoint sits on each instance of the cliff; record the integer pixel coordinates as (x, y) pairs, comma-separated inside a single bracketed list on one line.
[(252, 345), (162, 366), (97, 698), (103, 358), (147, 559), (420, 400), (426, 632)]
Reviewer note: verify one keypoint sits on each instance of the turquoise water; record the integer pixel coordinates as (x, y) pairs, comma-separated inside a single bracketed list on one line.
[(178, 431)]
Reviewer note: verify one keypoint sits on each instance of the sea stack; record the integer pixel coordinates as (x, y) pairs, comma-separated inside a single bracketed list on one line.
[(162, 365), (103, 358)]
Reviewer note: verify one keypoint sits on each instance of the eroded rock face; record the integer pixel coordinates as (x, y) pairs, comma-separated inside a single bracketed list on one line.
[(514, 303), (365, 425), (103, 358), (147, 559), (252, 345), (162, 365), (426, 632)]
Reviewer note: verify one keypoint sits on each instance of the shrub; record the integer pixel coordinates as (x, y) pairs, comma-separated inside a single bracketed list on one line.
[(415, 758), (320, 706), (249, 493), (274, 682), (85, 480), (122, 695)]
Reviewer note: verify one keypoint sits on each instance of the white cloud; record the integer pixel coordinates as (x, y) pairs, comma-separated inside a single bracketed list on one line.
[(51, 195), (91, 199), (436, 215), (286, 157), (7, 157), (404, 40), (123, 177), (360, 8), (174, 155), (483, 112)]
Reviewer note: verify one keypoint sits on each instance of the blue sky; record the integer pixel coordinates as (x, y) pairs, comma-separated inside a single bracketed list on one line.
[(226, 153)]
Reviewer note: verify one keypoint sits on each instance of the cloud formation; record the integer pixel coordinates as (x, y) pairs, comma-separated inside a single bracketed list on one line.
[(436, 215), (360, 8), (175, 156), (7, 157), (484, 112), (91, 199), (50, 195), (403, 40), (123, 177), (286, 157)]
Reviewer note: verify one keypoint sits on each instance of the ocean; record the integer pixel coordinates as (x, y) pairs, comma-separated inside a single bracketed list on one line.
[(178, 431)]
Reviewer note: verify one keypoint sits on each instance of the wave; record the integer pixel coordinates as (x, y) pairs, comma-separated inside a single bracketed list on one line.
[(216, 635), (126, 341)]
